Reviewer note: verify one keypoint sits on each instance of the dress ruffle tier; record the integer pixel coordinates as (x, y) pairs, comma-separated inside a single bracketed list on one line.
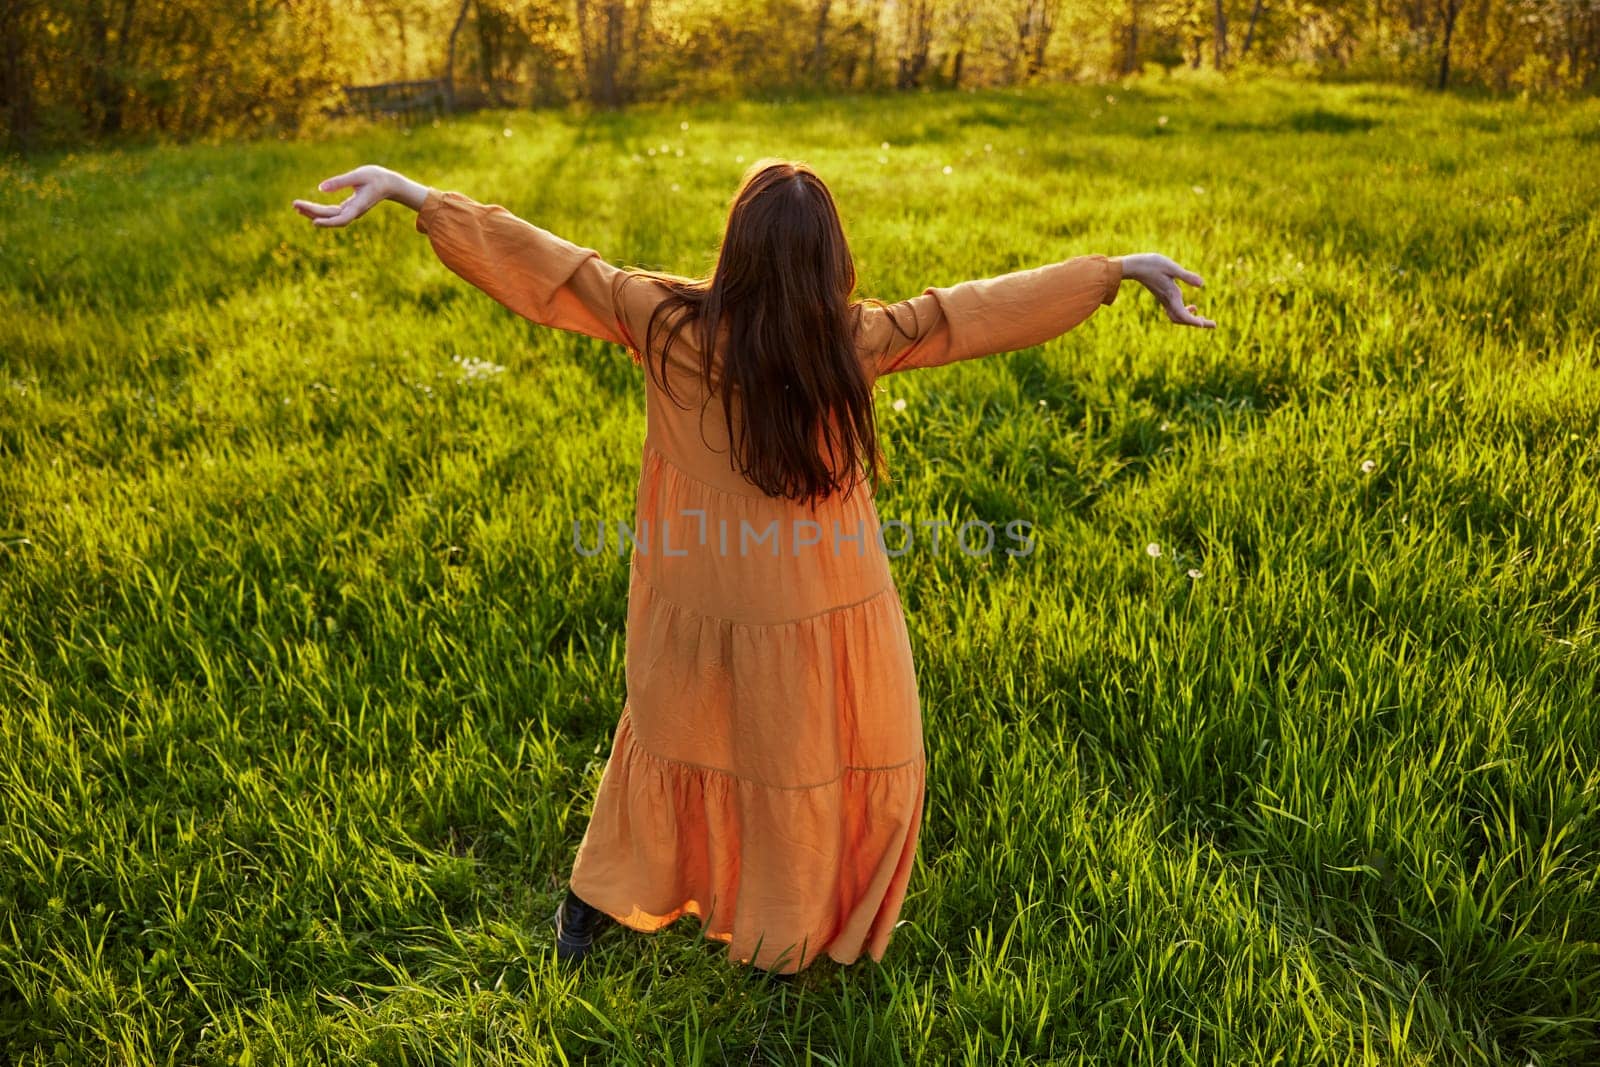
[(780, 874)]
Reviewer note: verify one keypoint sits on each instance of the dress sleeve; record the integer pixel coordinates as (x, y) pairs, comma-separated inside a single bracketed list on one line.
[(988, 315), (544, 278)]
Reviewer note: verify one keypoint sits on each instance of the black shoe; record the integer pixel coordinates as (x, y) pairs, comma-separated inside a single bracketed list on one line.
[(577, 925), (771, 977)]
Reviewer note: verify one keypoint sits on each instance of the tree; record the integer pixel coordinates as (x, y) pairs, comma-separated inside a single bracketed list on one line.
[(916, 36), (1034, 21), (610, 37), (1250, 28), (819, 47), (1449, 9), (450, 54)]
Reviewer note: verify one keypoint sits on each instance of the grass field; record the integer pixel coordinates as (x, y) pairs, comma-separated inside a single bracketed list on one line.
[(305, 692)]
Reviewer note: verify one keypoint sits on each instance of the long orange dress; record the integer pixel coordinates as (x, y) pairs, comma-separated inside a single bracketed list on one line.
[(767, 771)]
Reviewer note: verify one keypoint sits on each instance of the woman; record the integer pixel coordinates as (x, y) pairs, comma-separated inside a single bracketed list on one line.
[(767, 770)]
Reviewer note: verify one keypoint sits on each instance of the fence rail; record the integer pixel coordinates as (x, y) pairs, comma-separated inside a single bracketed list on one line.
[(407, 98)]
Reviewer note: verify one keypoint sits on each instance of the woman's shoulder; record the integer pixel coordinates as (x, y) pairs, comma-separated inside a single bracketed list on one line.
[(640, 293), (881, 328)]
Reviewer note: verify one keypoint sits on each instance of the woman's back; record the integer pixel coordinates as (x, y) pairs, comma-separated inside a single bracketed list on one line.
[(720, 545)]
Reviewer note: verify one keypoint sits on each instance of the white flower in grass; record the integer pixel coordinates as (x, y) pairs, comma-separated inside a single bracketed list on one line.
[(1195, 573), (949, 169), (1152, 550), (473, 369), (1161, 121), (1044, 403), (1367, 466), (899, 405), (506, 132), (683, 125), (884, 146)]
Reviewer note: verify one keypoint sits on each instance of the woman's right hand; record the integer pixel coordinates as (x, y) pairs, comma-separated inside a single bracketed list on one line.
[(371, 184), (1160, 275)]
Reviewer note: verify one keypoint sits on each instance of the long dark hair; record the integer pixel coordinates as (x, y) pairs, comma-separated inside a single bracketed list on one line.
[(783, 281)]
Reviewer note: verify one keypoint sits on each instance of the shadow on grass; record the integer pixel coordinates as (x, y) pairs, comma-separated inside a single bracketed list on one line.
[(1306, 120)]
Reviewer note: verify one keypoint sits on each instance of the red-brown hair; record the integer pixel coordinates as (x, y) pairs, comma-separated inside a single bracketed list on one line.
[(783, 281)]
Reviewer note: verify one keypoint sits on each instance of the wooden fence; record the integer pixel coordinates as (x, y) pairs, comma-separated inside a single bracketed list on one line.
[(406, 99)]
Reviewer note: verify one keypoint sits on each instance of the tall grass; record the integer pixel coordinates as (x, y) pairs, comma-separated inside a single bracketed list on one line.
[(305, 693)]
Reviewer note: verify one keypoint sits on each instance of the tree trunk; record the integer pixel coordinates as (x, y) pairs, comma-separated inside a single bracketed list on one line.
[(1045, 29), (1451, 9), (486, 61), (99, 70), (871, 77), (450, 55), (16, 74), (1130, 57), (916, 36), (1570, 31), (641, 19), (819, 48), (1219, 55), (400, 23), (1250, 30), (602, 35), (610, 93)]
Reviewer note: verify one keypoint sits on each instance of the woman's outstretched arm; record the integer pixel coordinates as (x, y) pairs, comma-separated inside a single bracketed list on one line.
[(540, 276), (1002, 314)]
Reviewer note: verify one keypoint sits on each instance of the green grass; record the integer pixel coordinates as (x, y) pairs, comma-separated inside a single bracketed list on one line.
[(305, 692)]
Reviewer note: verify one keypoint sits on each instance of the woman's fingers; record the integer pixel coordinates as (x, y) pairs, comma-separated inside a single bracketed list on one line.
[(1172, 269), (340, 214), (312, 210), (1172, 298), (1176, 271), (323, 214), (1181, 313), (339, 181), (368, 185), (349, 211), (337, 217)]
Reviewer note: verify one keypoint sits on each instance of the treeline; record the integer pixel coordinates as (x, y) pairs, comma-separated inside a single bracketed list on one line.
[(84, 69)]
